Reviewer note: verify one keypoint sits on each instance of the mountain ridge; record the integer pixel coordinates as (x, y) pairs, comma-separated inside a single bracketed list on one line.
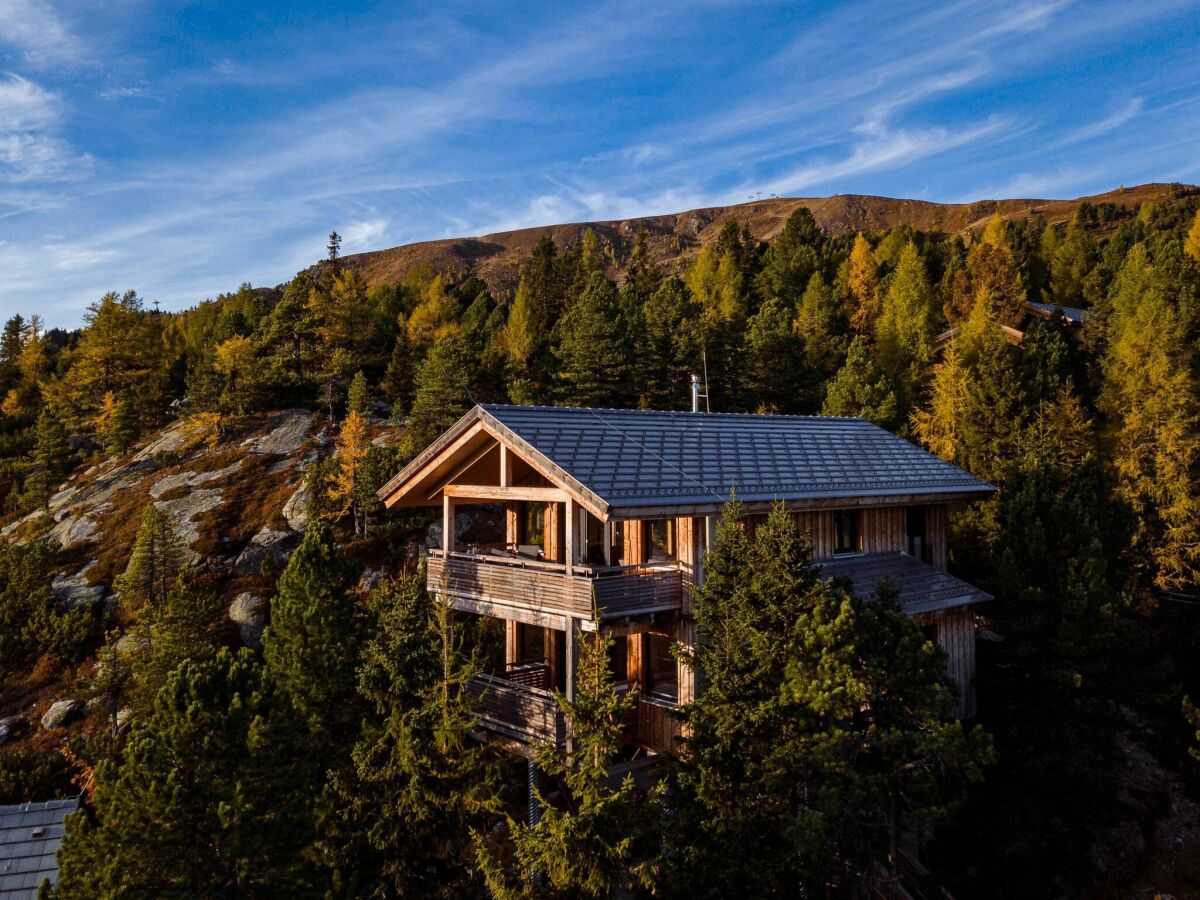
[(675, 238)]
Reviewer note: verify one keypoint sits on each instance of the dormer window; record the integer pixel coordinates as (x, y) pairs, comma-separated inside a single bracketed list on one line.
[(846, 538)]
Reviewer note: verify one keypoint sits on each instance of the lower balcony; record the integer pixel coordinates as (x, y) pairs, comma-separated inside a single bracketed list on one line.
[(519, 707), (512, 587)]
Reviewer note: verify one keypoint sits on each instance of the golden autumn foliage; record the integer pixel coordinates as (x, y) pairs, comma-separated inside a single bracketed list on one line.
[(864, 286), (352, 448)]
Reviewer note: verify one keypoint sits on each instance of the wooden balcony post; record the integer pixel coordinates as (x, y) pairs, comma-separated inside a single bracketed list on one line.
[(512, 641), (448, 535), (569, 536), (608, 530), (572, 658), (505, 467)]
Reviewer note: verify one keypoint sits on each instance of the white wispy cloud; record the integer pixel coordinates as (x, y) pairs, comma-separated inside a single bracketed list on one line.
[(34, 29), (29, 150), (1111, 122)]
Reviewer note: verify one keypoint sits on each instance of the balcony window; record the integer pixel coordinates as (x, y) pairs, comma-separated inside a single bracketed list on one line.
[(535, 524), (662, 677), (618, 658), (915, 528), (593, 540), (846, 538), (660, 540)]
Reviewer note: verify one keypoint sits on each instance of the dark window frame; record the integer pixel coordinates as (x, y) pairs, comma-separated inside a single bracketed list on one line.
[(847, 532)]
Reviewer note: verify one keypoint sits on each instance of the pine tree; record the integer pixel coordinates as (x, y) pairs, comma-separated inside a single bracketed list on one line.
[(643, 275), (415, 749), (863, 284), (180, 628), (442, 394), (593, 349), (862, 389), (155, 562), (310, 646), (198, 804), (598, 841)]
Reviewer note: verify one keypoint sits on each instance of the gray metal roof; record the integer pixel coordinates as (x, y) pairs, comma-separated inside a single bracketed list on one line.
[(922, 587), (639, 458), (30, 835)]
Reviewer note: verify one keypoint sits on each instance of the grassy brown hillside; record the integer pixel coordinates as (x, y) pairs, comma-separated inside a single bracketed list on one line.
[(676, 238)]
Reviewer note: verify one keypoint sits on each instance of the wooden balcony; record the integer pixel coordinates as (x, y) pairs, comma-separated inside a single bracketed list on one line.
[(543, 593), (523, 713)]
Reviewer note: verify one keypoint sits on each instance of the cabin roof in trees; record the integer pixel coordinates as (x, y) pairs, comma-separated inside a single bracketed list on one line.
[(30, 835), (1073, 315), (640, 463), (921, 588)]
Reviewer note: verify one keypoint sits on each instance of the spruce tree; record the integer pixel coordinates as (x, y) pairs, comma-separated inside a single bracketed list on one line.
[(597, 840), (122, 427), (199, 803), (774, 373), (415, 749), (823, 731), (397, 382), (862, 389), (442, 395), (310, 647), (593, 348), (51, 453), (792, 258), (669, 345)]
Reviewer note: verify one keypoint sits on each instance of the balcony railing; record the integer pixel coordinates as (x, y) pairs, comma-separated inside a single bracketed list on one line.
[(516, 581), (521, 712)]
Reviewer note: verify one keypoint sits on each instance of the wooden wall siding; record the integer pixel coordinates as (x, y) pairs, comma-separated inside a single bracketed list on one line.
[(936, 534), (526, 714), (817, 527), (658, 728), (883, 530), (956, 636), (470, 578)]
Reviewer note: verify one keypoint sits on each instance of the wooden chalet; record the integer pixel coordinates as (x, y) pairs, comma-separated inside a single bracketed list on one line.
[(614, 508)]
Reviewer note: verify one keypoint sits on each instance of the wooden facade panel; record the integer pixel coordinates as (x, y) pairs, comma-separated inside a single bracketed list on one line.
[(883, 529), (817, 528), (955, 630)]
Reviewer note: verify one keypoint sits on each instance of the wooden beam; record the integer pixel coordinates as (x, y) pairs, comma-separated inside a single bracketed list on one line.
[(505, 494), (488, 448), (505, 466), (395, 489), (545, 467), (448, 534)]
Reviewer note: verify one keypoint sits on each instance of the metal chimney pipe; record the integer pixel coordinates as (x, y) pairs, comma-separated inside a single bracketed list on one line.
[(695, 393)]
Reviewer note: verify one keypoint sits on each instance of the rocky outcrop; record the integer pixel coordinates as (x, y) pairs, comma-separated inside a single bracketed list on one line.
[(74, 591), (61, 713), (191, 479), (249, 612), (286, 438), (276, 545)]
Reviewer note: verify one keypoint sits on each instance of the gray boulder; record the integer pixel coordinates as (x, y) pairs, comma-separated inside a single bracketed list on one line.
[(124, 717), (276, 544), (74, 591), (61, 712), (296, 509), (249, 612)]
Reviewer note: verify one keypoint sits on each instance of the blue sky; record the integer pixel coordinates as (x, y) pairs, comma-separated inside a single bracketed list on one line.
[(181, 148)]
